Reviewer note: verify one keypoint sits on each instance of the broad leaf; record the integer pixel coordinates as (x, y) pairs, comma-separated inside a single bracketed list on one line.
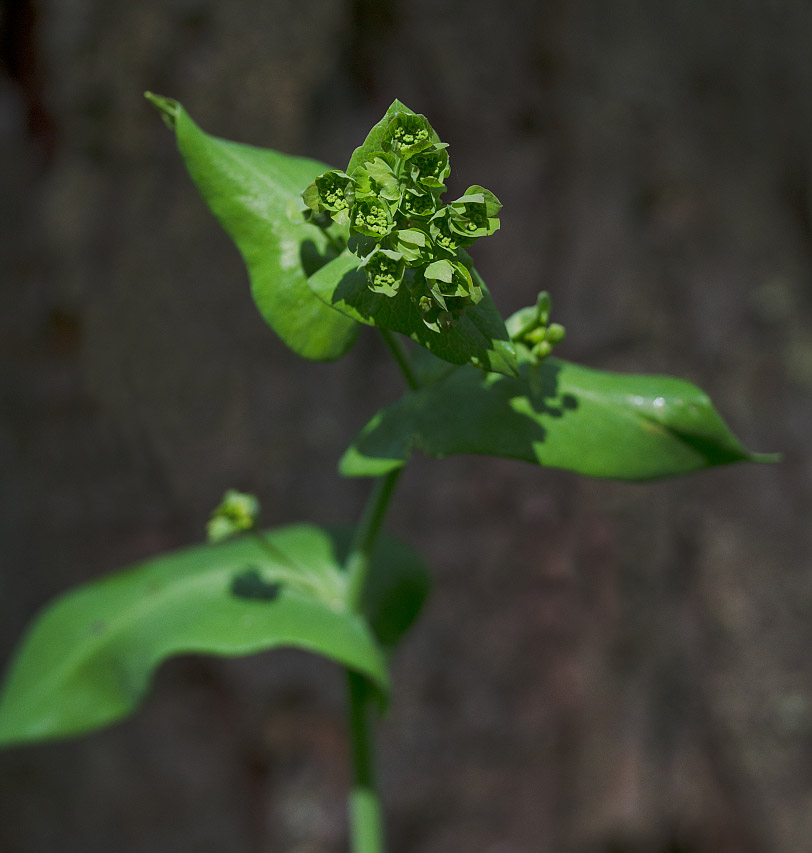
[(255, 193), (557, 414), (395, 591), (479, 336), (88, 659)]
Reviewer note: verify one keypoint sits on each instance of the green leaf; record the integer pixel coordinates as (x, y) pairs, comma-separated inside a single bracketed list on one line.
[(255, 193), (557, 414), (396, 586), (478, 337), (88, 658), (374, 141)]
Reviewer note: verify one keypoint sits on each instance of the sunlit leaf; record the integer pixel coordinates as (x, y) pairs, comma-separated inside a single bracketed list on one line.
[(255, 193), (557, 414)]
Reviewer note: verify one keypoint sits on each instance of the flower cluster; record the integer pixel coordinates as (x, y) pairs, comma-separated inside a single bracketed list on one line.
[(236, 513), (405, 237), (531, 327)]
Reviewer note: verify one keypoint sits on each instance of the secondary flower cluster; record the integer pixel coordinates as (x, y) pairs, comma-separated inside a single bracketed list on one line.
[(403, 234), (531, 327), (236, 513)]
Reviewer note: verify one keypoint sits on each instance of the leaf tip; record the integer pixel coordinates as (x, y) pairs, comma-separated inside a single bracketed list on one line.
[(167, 107), (766, 458), (355, 463)]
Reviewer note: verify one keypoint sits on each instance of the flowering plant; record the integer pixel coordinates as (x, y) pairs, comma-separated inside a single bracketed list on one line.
[(328, 252)]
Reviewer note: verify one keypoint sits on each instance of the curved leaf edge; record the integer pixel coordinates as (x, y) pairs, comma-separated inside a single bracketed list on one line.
[(410, 571), (355, 463), (337, 334)]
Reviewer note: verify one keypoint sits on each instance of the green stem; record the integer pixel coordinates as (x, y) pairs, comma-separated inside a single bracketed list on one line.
[(359, 560), (365, 813), (401, 358)]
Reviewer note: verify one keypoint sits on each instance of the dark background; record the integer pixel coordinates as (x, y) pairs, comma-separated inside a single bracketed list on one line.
[(602, 667)]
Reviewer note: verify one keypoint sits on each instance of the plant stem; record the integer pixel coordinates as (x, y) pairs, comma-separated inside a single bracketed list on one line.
[(400, 358), (365, 814), (366, 820), (359, 560)]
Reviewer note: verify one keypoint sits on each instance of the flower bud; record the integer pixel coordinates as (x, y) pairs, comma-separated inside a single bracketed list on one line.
[(542, 349), (555, 333), (332, 192)]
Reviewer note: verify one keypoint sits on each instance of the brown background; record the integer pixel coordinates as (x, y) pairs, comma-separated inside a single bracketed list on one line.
[(602, 667)]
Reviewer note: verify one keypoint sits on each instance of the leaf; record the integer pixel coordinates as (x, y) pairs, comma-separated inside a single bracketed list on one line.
[(252, 192), (374, 141), (89, 657), (557, 414), (395, 589), (479, 336)]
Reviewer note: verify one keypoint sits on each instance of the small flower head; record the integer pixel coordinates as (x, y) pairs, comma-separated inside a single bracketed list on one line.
[(440, 229), (417, 203), (332, 192), (371, 216), (431, 167), (451, 280), (236, 513), (384, 269), (531, 328), (474, 214), (406, 134)]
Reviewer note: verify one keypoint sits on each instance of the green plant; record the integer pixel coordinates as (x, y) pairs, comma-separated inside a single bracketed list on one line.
[(329, 251)]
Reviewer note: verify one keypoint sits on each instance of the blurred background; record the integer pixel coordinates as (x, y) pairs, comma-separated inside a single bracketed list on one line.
[(601, 668)]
